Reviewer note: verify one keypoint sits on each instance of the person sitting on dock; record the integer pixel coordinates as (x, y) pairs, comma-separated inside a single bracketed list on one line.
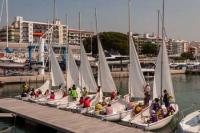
[(166, 99), (86, 102), (25, 87), (84, 92), (74, 93), (52, 96)]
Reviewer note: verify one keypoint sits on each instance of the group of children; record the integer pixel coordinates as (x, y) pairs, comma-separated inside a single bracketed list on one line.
[(157, 111)]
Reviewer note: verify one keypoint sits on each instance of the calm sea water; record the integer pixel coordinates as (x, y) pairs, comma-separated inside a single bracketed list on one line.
[(186, 87)]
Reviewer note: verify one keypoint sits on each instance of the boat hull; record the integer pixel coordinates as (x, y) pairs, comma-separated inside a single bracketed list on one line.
[(138, 122), (190, 124)]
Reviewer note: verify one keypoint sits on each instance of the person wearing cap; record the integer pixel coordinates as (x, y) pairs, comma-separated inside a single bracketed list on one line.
[(84, 92)]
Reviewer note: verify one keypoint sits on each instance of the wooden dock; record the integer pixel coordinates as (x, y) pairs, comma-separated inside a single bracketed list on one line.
[(62, 121)]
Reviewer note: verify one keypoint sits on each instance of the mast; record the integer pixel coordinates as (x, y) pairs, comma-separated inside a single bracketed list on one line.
[(2, 6), (79, 27), (96, 25), (158, 33), (163, 43), (54, 11), (66, 53), (6, 23), (129, 36), (91, 38)]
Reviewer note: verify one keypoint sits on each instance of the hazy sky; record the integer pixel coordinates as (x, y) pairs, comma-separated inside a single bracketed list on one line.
[(182, 16)]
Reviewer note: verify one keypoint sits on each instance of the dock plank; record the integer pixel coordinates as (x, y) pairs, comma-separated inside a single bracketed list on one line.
[(61, 120)]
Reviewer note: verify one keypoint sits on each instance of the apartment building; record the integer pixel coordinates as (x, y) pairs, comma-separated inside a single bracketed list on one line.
[(23, 31)]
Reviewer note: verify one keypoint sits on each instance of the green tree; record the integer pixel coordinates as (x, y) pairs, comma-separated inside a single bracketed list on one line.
[(110, 40), (187, 55), (149, 48)]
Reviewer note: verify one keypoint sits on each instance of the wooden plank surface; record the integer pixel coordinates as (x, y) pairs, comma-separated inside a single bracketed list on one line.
[(4, 115), (62, 120)]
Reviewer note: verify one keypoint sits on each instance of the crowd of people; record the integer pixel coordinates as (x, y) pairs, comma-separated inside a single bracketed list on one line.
[(104, 107)]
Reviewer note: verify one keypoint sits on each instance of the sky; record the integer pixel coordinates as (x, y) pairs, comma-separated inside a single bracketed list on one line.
[(181, 16)]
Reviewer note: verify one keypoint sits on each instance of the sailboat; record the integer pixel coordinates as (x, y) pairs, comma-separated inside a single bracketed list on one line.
[(162, 80), (57, 80), (136, 77), (88, 81), (107, 84)]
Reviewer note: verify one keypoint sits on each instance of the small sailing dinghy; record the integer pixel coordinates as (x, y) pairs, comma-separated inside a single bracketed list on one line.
[(107, 84), (162, 81), (72, 79), (191, 123), (86, 79), (57, 79), (136, 78)]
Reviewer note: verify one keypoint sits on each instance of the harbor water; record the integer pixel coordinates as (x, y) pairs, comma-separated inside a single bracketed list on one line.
[(186, 87)]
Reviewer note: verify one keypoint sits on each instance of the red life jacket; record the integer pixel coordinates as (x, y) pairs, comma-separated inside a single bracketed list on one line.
[(52, 97), (113, 95), (81, 101), (87, 103)]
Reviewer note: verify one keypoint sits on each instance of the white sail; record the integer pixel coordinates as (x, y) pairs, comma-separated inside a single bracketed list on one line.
[(136, 77), (106, 80), (72, 70), (162, 74), (56, 72), (88, 80)]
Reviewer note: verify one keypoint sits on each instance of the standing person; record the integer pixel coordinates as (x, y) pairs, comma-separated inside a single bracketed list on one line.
[(147, 88), (74, 93), (147, 98), (166, 99)]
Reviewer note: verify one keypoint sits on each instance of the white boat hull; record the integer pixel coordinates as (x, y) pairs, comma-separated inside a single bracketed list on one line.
[(139, 122), (191, 123)]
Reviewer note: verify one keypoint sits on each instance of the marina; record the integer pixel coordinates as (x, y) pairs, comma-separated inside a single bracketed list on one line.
[(108, 78)]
